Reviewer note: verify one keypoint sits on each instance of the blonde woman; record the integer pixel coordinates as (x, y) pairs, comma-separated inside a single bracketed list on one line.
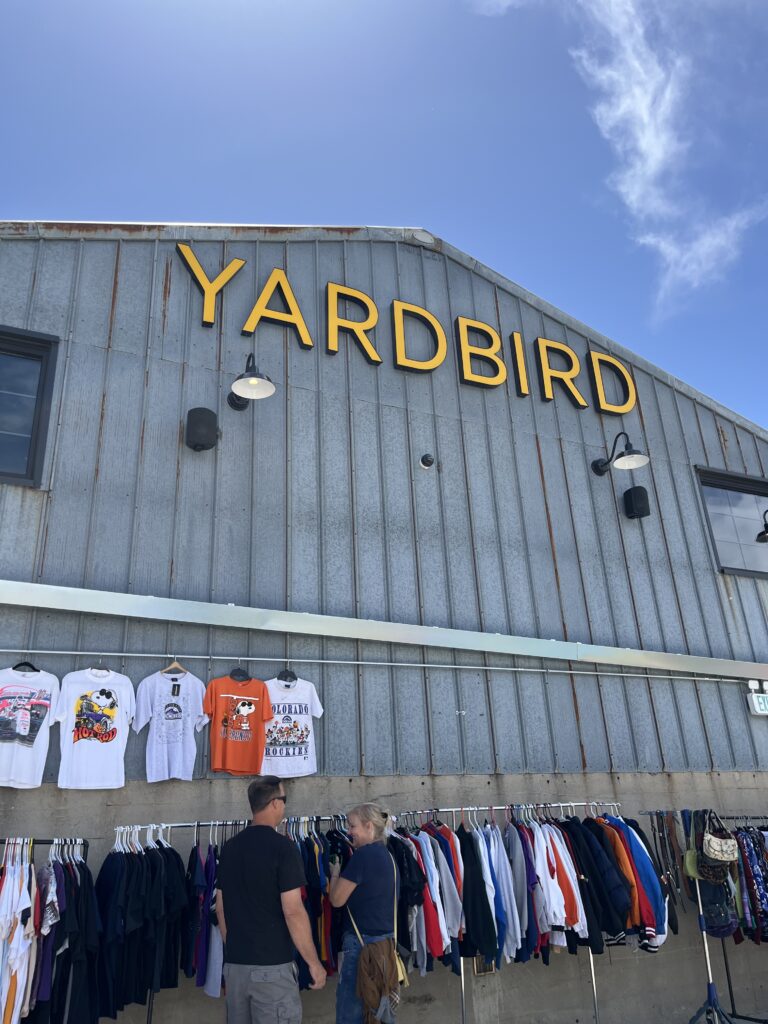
[(368, 889)]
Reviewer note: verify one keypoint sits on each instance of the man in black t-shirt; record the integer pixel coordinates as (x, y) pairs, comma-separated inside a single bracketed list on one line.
[(262, 917)]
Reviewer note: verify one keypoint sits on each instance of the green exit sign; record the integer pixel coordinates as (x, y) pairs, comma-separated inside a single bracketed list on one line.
[(758, 703)]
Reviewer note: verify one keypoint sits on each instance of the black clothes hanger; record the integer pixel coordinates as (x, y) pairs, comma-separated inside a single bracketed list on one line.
[(286, 676), (239, 675), (25, 664)]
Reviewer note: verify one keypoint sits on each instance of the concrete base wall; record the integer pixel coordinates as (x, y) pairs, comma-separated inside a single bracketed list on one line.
[(632, 987)]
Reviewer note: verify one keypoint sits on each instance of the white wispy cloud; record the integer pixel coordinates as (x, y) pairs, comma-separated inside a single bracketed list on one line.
[(632, 57)]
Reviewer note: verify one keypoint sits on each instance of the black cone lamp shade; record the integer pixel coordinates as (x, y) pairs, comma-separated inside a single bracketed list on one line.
[(249, 386)]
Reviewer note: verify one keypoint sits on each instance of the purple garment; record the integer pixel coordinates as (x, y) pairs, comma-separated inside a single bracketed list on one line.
[(49, 942), (530, 871), (205, 931)]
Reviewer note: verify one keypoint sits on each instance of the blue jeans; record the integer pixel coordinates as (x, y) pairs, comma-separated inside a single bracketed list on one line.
[(349, 1009)]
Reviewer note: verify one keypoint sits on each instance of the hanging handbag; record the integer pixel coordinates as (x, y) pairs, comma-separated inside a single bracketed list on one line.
[(719, 844)]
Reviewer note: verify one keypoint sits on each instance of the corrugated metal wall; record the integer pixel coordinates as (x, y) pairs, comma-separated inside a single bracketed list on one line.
[(314, 501)]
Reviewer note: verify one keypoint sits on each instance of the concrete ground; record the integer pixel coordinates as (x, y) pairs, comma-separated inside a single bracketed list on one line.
[(633, 987)]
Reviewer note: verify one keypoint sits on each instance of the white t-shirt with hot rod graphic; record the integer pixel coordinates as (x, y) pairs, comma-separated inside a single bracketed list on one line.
[(95, 709)]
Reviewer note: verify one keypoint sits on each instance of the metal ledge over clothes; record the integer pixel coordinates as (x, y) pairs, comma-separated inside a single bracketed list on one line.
[(166, 609)]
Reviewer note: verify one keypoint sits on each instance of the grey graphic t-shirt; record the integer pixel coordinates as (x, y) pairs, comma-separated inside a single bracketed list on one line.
[(172, 703)]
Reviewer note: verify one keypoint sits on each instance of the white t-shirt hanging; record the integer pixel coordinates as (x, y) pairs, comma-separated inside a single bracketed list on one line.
[(172, 703), (27, 708), (290, 750), (95, 708)]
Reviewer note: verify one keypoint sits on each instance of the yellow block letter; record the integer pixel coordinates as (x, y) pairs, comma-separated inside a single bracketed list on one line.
[(399, 310), (463, 326), (210, 289), (277, 279), (522, 372), (356, 327), (596, 361), (548, 374)]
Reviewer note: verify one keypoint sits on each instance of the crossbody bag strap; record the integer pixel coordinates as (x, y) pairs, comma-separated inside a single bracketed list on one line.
[(357, 932)]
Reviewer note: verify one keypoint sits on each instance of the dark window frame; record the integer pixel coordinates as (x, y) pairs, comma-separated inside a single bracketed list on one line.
[(727, 480), (16, 341)]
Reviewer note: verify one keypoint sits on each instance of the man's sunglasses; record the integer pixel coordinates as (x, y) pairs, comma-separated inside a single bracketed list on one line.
[(283, 798)]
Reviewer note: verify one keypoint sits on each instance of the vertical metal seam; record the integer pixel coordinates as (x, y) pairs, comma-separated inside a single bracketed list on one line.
[(355, 546), (489, 702), (697, 690), (657, 609), (100, 435), (604, 574), (181, 403), (320, 501), (698, 595), (457, 674), (529, 575), (139, 478), (41, 541), (415, 521), (393, 701)]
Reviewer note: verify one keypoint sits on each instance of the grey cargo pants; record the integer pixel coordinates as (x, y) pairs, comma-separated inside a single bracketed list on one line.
[(262, 995)]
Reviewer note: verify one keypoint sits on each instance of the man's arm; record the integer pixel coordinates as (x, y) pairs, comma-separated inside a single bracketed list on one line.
[(298, 926), (220, 915)]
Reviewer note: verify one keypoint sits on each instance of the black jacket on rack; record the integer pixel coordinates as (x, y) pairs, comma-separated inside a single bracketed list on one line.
[(480, 936)]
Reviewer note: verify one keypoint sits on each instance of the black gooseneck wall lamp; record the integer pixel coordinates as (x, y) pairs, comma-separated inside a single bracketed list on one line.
[(762, 537), (249, 386), (630, 458)]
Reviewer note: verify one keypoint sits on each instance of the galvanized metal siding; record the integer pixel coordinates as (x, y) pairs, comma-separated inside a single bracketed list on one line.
[(314, 500)]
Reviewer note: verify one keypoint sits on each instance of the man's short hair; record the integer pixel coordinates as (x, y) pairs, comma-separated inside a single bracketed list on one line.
[(262, 790)]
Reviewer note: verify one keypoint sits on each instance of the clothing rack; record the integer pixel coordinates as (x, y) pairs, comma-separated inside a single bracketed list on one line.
[(57, 841), (711, 1010), (533, 808), (641, 674)]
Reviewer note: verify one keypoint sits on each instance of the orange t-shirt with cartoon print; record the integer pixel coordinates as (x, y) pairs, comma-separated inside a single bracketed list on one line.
[(237, 712)]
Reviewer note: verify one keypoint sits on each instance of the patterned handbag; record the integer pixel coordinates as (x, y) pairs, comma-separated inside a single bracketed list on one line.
[(719, 844)]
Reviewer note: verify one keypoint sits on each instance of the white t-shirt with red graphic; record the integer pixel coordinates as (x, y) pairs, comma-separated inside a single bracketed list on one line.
[(27, 709), (95, 709)]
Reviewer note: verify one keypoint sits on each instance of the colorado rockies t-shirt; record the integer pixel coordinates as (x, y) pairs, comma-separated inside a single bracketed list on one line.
[(290, 750), (95, 709), (172, 703), (237, 712), (27, 706)]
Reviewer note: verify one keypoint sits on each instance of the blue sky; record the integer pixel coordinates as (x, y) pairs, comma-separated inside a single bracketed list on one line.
[(608, 155)]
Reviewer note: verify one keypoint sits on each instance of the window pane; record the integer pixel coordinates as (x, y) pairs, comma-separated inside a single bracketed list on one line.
[(724, 527), (736, 518), (743, 504), (731, 555), (716, 499), (14, 453), (19, 375), (17, 414)]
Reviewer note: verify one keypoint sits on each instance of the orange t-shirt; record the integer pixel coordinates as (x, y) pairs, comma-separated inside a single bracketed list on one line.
[(237, 712)]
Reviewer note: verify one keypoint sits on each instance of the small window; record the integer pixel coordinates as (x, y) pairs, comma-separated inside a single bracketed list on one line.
[(735, 508), (27, 366)]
